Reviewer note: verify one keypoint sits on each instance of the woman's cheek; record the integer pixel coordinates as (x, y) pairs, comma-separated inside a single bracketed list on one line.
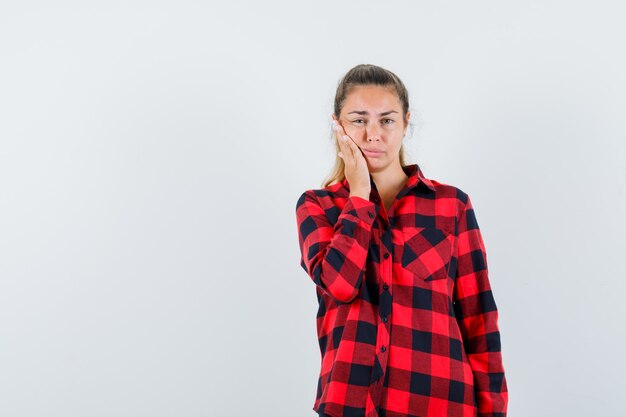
[(354, 132)]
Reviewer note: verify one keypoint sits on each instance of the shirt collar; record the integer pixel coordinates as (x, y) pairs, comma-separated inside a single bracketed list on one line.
[(413, 171)]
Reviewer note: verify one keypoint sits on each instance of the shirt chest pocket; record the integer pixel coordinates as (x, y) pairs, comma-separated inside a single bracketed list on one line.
[(426, 252)]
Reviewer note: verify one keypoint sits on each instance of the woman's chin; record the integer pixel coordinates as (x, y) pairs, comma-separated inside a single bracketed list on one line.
[(374, 161)]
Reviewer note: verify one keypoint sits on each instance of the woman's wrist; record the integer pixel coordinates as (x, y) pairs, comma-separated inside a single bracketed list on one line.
[(360, 193)]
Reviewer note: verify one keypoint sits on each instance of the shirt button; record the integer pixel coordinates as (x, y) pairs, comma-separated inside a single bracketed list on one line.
[(385, 287), (382, 349), (386, 255), (369, 213), (385, 319)]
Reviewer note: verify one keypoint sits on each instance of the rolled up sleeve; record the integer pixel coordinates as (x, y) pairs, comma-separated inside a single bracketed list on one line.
[(334, 255)]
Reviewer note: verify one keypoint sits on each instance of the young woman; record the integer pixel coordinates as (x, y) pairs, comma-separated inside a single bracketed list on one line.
[(407, 323)]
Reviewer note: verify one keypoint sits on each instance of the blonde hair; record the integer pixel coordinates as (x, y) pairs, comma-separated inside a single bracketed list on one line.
[(360, 75)]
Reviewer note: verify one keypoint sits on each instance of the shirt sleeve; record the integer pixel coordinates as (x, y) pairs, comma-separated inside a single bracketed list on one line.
[(334, 255), (477, 316)]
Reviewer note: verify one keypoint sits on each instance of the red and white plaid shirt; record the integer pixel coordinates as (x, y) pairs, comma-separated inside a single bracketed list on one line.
[(407, 323)]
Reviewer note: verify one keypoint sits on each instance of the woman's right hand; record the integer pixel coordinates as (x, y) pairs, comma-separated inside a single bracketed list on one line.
[(356, 170)]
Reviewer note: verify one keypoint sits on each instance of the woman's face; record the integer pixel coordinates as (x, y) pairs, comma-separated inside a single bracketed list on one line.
[(372, 117)]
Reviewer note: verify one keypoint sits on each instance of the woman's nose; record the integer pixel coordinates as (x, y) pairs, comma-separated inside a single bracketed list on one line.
[(373, 131)]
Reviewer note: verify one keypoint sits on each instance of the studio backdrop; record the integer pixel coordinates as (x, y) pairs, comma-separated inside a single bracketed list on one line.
[(152, 155)]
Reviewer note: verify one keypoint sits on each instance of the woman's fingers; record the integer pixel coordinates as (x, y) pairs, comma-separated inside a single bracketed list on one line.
[(356, 169), (347, 144), (349, 149), (356, 151), (342, 140)]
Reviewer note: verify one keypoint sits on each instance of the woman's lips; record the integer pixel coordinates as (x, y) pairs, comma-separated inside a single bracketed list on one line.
[(373, 153)]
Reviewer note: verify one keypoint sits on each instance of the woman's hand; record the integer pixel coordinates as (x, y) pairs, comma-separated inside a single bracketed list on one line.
[(356, 170)]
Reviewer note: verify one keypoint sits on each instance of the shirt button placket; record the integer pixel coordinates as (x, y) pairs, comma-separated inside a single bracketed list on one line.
[(385, 299)]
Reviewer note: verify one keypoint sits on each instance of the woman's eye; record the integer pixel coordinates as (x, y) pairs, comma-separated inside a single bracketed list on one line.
[(386, 121)]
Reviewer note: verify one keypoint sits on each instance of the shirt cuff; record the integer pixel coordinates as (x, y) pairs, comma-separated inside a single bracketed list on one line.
[(364, 210)]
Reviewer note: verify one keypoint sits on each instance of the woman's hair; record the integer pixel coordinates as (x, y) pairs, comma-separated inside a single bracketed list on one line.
[(365, 74)]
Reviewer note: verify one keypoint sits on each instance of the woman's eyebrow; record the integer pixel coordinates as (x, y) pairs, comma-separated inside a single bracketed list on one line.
[(363, 112)]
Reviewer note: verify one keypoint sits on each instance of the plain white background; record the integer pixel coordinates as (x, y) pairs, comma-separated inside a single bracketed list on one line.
[(152, 153)]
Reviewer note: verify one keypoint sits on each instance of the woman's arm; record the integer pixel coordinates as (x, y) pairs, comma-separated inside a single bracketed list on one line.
[(334, 256), (477, 315)]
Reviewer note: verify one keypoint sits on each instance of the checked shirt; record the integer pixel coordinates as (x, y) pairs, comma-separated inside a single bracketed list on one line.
[(407, 323)]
